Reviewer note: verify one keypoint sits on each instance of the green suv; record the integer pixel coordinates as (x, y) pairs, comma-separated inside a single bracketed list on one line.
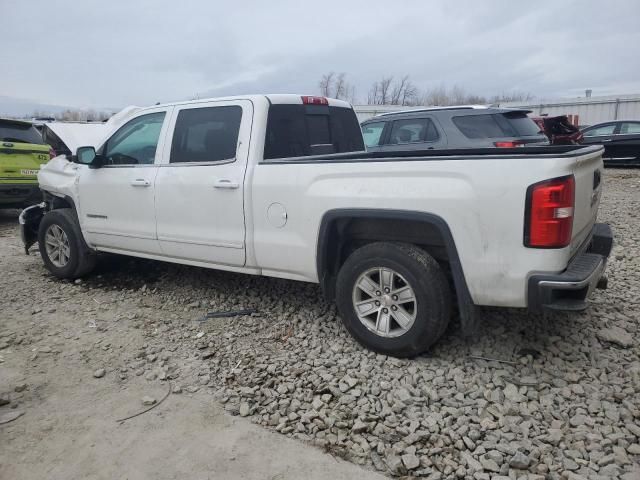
[(22, 152)]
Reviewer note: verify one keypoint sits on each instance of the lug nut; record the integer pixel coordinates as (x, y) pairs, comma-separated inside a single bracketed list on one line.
[(394, 308), (395, 298), (386, 290), (377, 303), (378, 293), (385, 310)]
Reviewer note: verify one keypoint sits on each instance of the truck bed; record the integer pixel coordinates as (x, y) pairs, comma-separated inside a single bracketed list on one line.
[(448, 154)]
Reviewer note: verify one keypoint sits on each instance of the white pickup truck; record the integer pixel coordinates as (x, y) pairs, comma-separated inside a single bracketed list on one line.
[(280, 185)]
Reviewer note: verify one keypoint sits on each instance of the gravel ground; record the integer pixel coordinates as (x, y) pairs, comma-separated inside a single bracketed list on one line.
[(559, 397)]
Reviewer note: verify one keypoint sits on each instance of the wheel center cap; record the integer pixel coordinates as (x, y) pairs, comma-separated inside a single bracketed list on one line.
[(387, 300)]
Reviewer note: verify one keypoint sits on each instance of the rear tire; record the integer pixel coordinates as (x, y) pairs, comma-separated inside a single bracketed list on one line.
[(393, 298), (62, 247)]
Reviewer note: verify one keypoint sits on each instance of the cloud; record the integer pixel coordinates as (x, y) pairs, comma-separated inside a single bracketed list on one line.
[(94, 53)]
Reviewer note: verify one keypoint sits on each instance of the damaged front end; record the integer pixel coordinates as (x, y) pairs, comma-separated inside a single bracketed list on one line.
[(29, 223)]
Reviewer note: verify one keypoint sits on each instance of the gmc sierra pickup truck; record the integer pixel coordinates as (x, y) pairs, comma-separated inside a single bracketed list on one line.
[(281, 185)]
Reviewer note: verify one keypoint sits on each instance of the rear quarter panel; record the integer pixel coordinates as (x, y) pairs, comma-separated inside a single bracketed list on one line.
[(482, 200)]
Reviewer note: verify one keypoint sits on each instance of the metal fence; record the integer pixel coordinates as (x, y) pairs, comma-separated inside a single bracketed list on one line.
[(589, 111)]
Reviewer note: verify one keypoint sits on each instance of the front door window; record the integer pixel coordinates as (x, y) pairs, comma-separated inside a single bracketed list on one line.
[(135, 142)]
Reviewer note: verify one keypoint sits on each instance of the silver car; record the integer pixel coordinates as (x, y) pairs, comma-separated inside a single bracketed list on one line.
[(451, 127)]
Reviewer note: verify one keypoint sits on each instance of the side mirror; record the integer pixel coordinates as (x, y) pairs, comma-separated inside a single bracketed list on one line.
[(88, 156)]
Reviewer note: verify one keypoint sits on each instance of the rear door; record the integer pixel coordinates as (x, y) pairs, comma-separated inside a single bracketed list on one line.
[(414, 134), (200, 185), (116, 206), (602, 135), (627, 142)]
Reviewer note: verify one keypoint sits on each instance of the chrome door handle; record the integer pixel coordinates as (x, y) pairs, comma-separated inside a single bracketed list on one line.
[(140, 182), (224, 183)]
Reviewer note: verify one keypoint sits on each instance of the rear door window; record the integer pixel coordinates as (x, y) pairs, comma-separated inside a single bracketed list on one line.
[(519, 123), (372, 133), (19, 133), (208, 134), (415, 130), (630, 128), (510, 124), (303, 130), (478, 126)]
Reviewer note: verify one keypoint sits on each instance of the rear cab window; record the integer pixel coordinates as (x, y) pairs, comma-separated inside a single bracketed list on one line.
[(299, 130), (496, 125), (19, 132)]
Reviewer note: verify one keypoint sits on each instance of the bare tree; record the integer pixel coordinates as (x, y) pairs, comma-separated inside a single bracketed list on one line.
[(441, 96), (372, 97), (381, 92), (514, 96), (385, 90), (339, 90), (404, 92), (326, 84), (436, 96), (337, 86)]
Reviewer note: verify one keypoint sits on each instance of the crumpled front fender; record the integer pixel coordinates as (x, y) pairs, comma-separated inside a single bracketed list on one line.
[(30, 223)]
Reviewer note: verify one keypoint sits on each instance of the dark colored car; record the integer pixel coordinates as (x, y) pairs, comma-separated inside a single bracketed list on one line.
[(621, 141), (559, 130), (451, 127)]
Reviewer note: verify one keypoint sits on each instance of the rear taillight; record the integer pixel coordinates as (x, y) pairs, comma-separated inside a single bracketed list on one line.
[(52, 153), (549, 213), (310, 100), (508, 144)]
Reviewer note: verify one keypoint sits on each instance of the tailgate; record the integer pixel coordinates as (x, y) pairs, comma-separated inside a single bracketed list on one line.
[(588, 173), (20, 162)]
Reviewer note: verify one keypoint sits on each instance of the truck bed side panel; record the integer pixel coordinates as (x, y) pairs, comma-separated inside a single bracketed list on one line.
[(482, 201)]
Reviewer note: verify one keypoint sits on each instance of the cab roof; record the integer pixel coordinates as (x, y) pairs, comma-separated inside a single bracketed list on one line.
[(276, 98)]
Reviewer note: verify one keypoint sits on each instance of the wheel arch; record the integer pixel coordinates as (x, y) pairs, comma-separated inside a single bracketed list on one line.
[(55, 202), (342, 230)]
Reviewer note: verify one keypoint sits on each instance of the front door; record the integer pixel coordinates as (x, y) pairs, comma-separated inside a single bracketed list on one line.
[(200, 184), (116, 206)]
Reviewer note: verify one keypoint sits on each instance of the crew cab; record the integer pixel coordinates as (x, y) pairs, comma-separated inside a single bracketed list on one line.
[(280, 185)]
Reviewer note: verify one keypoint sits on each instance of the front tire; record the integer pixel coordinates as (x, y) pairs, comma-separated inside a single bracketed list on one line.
[(62, 248), (393, 298)]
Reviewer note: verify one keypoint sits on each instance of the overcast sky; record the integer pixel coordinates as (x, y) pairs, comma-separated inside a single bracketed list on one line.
[(86, 53)]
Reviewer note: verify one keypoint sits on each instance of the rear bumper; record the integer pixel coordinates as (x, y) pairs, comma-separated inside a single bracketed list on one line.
[(18, 195), (570, 289)]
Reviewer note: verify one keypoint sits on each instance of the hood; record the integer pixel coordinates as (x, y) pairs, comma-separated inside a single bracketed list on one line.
[(76, 135)]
